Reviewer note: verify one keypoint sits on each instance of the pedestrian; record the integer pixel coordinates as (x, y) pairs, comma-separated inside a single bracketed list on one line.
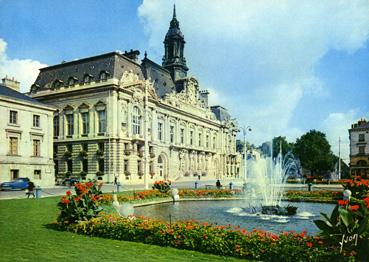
[(115, 180), (218, 184), (30, 188)]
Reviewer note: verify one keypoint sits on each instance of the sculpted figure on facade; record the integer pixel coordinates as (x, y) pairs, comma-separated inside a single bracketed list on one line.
[(128, 78)]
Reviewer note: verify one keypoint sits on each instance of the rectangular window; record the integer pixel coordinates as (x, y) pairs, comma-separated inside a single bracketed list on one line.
[(160, 131), (36, 121), (13, 145), (84, 165), (36, 147), (56, 126), (207, 141), (37, 174), (126, 165), (200, 141), (85, 123), (214, 143), (101, 115), (101, 165), (13, 117), (14, 173), (101, 147), (139, 166), (182, 136), (361, 150), (70, 124), (69, 166), (171, 134), (191, 138), (361, 137)]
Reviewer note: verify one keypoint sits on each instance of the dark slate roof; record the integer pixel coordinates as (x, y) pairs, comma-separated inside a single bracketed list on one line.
[(112, 63), (221, 113), (11, 93), (163, 82)]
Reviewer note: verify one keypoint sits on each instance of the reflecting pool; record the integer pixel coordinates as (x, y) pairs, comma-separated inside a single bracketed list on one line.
[(237, 212)]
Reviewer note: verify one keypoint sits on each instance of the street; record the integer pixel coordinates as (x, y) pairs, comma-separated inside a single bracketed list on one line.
[(106, 188)]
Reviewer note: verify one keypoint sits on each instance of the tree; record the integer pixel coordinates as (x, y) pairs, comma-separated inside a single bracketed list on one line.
[(345, 170), (280, 141), (240, 144), (314, 152)]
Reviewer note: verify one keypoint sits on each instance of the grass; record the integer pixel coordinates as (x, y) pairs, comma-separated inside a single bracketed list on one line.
[(25, 235)]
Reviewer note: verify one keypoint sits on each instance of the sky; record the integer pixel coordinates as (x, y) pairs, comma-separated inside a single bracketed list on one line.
[(282, 67)]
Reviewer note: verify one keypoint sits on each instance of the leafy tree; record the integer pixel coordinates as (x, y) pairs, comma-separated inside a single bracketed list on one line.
[(240, 144), (314, 152), (280, 141)]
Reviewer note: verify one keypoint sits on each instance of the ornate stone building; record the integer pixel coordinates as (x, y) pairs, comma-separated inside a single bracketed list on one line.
[(99, 128), (359, 148), (26, 144)]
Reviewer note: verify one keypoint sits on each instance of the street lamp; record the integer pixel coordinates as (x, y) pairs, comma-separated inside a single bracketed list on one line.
[(245, 129)]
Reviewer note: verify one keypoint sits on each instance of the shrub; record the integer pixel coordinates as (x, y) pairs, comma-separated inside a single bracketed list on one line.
[(207, 238), (84, 205), (162, 185), (349, 220)]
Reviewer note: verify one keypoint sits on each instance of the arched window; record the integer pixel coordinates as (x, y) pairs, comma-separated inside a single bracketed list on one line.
[(136, 121)]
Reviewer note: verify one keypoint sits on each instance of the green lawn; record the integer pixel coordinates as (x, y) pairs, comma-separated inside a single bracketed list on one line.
[(26, 236)]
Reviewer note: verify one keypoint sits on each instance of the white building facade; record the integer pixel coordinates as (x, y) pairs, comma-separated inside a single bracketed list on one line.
[(109, 105), (26, 144)]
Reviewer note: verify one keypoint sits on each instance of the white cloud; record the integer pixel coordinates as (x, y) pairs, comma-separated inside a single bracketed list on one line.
[(23, 70), (336, 127), (260, 54)]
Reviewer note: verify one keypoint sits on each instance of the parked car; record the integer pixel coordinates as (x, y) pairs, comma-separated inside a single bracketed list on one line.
[(70, 181), (18, 183)]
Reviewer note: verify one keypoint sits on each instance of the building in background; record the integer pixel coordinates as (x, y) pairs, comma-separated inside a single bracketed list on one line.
[(26, 144), (102, 118), (359, 149)]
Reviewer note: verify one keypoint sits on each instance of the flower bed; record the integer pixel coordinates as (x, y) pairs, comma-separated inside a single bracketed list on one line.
[(319, 196), (207, 238), (183, 193)]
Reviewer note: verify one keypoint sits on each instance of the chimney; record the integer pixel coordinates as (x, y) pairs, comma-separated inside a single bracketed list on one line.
[(11, 83), (204, 94), (132, 54)]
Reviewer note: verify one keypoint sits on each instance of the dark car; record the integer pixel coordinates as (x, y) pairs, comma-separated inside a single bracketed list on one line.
[(70, 181), (18, 183)]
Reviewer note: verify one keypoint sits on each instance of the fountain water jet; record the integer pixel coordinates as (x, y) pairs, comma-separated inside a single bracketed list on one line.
[(266, 182)]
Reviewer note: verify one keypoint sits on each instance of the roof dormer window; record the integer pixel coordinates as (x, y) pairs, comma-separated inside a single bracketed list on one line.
[(103, 76), (72, 81), (87, 79), (57, 84)]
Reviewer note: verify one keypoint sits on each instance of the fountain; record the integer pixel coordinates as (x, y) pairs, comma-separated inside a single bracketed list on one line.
[(266, 182)]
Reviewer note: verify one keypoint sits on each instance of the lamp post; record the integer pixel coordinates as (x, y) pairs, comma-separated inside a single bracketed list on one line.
[(245, 129), (146, 147)]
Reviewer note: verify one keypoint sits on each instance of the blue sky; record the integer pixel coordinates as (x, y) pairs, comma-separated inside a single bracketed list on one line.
[(282, 67)]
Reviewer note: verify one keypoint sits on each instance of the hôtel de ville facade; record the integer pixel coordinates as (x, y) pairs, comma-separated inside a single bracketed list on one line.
[(112, 107)]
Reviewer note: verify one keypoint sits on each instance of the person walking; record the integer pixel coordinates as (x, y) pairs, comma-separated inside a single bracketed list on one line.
[(218, 184), (31, 188)]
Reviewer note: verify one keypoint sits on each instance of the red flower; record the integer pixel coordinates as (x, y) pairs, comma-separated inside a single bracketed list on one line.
[(309, 244), (65, 201), (343, 202), (69, 193), (76, 199), (354, 208), (366, 202)]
